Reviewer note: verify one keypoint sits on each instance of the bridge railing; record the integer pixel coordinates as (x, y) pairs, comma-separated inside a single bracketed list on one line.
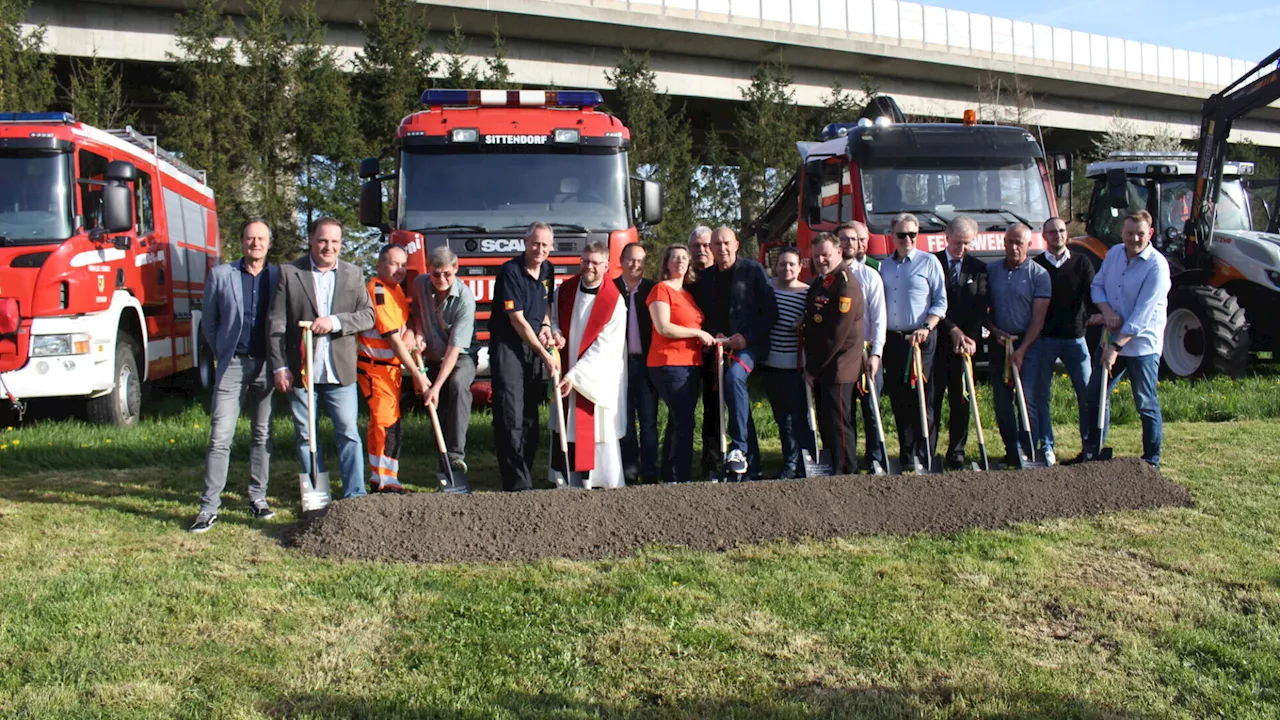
[(913, 25)]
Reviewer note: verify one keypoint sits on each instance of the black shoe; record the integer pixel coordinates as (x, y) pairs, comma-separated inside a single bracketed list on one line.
[(261, 511), (1075, 460), (393, 490), (956, 463), (204, 521), (649, 480)]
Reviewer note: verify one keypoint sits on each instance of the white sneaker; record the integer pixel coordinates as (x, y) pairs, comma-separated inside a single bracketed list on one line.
[(1050, 459), (736, 463)]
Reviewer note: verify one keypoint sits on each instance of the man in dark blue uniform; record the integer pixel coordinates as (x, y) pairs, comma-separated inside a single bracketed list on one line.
[(519, 355)]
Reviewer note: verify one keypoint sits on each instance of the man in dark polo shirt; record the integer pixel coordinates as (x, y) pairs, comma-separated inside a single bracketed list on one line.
[(639, 450), (1070, 276), (519, 356)]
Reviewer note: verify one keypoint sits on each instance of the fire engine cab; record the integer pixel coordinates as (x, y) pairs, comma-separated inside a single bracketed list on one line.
[(476, 167), (105, 240)]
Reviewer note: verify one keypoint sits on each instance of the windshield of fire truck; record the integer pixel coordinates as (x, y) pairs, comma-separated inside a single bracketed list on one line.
[(495, 190), (991, 190), (34, 200)]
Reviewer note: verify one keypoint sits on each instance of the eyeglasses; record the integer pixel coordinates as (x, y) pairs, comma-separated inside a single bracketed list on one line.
[(907, 235), (1053, 231)]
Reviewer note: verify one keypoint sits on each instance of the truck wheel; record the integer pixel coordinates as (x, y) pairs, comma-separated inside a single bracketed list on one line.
[(1206, 333), (123, 404), (206, 372)]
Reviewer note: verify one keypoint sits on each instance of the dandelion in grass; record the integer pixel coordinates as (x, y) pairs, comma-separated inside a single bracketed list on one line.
[(16, 442), (196, 426), (675, 582), (172, 441), (107, 441), (4, 447)]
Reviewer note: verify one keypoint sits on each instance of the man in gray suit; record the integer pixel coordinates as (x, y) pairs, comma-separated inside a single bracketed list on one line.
[(237, 296), (331, 294)]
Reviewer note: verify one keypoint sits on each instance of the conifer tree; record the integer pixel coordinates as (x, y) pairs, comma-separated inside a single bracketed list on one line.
[(393, 69), (270, 180), (26, 73), (95, 92), (661, 144), (498, 74), (717, 200), (326, 138), (769, 123), (206, 122), (459, 73)]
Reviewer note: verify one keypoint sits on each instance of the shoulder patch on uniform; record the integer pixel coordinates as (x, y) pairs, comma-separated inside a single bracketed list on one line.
[(509, 305), (845, 304)]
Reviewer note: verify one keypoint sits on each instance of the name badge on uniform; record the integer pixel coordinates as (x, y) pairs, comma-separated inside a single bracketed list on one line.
[(509, 305), (845, 304)]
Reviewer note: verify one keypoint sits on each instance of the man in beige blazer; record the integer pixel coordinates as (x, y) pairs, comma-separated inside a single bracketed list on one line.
[(331, 294)]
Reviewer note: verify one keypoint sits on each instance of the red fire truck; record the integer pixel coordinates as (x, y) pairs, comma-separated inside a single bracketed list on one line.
[(105, 239), (476, 167), (881, 166)]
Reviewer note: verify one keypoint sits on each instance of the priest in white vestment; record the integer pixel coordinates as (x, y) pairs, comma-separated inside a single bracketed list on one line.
[(589, 314)]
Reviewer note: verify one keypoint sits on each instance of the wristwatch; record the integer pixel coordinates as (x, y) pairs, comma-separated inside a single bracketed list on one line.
[(1116, 346)]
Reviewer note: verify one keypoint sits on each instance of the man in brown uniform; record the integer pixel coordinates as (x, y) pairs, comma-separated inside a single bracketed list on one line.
[(833, 338)]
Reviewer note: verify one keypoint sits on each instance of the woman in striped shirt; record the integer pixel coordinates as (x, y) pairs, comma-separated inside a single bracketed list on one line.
[(783, 380)]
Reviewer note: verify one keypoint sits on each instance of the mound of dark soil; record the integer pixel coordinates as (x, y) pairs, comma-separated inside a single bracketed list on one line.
[(577, 524)]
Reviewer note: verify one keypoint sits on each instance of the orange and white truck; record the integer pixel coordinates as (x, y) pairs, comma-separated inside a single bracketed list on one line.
[(105, 240), (474, 168)]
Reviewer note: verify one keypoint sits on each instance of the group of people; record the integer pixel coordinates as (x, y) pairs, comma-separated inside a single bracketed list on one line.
[(906, 326)]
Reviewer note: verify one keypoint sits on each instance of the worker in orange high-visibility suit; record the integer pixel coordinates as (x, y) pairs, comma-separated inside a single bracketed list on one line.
[(384, 350)]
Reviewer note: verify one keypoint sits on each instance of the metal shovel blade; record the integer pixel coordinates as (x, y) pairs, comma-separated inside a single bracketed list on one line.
[(315, 493), (822, 466)]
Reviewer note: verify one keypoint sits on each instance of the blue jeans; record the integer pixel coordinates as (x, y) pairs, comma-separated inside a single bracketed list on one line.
[(340, 403), (740, 426), (677, 385), (785, 389), (1143, 371), (640, 454), (1005, 401), (1037, 376)]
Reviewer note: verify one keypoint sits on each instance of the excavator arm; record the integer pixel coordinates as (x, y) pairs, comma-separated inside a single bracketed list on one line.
[(1217, 114)]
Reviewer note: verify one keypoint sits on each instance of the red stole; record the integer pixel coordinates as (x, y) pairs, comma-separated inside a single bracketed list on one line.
[(584, 411)]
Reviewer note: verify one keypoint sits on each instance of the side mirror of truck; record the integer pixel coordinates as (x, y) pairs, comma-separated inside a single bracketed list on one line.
[(1062, 180), (650, 202), (371, 203), (369, 168), (813, 194), (121, 171), (1117, 188), (117, 208)]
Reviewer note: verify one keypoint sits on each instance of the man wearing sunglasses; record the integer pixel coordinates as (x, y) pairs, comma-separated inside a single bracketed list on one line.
[(915, 291)]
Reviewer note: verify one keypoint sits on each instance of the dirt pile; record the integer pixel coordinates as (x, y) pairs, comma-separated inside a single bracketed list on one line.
[(579, 525)]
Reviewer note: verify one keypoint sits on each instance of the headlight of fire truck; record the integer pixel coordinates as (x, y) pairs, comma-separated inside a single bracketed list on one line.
[(70, 344)]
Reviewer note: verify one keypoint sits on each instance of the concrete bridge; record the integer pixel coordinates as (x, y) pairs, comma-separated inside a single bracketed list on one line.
[(933, 60)]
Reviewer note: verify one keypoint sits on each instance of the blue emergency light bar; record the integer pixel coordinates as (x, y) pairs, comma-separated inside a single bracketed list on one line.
[(513, 98), (17, 117)]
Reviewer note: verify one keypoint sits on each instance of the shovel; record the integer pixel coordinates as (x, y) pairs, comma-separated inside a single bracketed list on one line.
[(977, 418), (933, 463), (822, 465), (1023, 461), (873, 394), (449, 483), (313, 486), (562, 480), (1102, 453)]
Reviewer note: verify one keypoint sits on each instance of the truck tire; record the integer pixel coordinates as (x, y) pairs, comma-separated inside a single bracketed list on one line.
[(122, 406), (205, 370), (1206, 334)]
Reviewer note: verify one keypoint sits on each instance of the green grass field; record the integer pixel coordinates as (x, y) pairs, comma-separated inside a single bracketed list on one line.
[(110, 609)]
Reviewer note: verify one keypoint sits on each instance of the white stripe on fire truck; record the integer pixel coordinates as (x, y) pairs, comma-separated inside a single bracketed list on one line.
[(148, 258), (89, 257)]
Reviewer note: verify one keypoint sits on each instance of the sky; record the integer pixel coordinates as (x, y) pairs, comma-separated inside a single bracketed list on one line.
[(1243, 29)]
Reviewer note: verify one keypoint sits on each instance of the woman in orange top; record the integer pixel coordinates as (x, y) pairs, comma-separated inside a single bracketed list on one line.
[(675, 359)]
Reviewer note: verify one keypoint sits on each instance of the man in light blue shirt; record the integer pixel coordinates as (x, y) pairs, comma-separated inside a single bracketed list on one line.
[(915, 294), (1131, 290), (1020, 292)]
